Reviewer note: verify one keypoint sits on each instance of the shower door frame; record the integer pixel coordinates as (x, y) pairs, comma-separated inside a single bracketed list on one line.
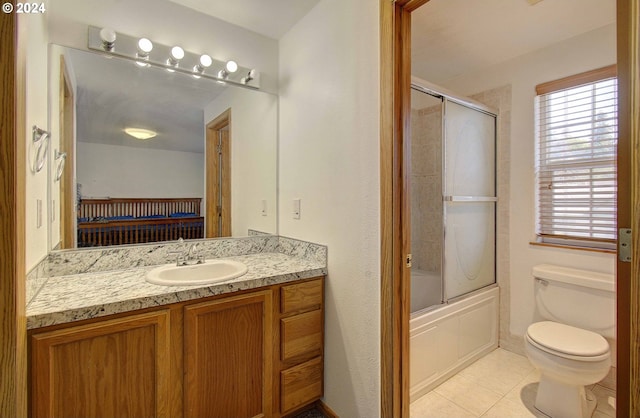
[(478, 107), (445, 96)]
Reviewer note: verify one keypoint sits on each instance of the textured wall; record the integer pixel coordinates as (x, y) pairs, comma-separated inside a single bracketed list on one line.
[(329, 158)]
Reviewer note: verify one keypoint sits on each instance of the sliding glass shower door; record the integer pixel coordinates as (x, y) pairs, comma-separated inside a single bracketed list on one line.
[(469, 199)]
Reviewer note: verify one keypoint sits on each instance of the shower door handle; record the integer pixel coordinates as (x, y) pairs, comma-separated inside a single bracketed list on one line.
[(469, 199)]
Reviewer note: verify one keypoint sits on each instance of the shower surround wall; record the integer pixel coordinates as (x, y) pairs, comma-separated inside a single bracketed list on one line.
[(426, 188)]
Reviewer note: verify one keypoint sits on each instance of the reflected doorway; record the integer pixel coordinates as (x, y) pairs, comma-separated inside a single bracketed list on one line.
[(218, 176), (67, 141)]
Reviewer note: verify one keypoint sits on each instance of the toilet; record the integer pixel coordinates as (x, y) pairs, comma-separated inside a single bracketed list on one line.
[(568, 345)]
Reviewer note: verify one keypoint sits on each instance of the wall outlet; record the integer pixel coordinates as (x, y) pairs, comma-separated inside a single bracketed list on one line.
[(263, 206), (296, 208)]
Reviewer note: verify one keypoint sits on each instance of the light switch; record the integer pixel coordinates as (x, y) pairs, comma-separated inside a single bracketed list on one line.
[(296, 208), (263, 205)]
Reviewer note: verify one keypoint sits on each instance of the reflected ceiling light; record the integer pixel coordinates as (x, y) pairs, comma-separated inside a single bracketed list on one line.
[(139, 133), (230, 67), (250, 76), (108, 37)]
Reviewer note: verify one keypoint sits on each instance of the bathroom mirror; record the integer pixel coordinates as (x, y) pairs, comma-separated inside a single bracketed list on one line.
[(207, 140)]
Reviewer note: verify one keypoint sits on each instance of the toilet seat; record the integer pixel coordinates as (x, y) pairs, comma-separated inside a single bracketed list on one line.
[(567, 341)]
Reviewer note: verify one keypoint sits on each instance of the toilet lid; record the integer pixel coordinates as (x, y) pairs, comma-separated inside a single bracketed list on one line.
[(567, 339)]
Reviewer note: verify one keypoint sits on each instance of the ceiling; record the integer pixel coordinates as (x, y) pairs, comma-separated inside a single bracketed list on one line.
[(455, 37), (271, 18)]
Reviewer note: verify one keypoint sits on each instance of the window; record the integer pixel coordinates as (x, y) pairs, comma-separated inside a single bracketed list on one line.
[(577, 131)]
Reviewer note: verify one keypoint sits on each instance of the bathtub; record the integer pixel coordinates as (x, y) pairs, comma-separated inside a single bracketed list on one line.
[(446, 338)]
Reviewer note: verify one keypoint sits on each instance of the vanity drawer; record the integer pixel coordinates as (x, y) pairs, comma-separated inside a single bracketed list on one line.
[(301, 384), (301, 336), (301, 296)]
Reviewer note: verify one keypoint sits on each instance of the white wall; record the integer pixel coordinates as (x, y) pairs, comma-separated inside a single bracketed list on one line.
[(32, 35), (254, 157), (118, 171), (592, 50), (329, 158)]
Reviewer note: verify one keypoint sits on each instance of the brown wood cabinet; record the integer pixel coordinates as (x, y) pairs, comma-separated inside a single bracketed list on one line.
[(227, 350), (117, 367), (300, 325), (255, 353)]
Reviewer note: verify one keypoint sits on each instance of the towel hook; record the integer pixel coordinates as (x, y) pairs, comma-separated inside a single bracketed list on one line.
[(41, 142), (62, 157)]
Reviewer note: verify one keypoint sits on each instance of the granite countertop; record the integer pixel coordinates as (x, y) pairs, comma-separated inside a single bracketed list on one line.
[(76, 297)]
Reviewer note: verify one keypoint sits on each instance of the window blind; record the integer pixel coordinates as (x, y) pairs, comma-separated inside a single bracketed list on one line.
[(576, 165)]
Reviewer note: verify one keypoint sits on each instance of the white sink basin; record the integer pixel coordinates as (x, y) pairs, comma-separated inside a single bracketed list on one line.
[(211, 271)]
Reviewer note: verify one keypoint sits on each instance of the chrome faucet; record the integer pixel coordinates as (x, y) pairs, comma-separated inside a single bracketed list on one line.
[(192, 255), (187, 257)]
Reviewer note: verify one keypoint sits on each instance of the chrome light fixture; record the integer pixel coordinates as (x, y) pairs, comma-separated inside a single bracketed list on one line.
[(204, 63), (176, 55), (250, 76), (146, 53), (144, 47), (108, 37), (229, 68)]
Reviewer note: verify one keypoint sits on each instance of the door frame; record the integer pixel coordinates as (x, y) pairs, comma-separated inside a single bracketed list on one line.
[(67, 140), (13, 323), (395, 71), (219, 126)]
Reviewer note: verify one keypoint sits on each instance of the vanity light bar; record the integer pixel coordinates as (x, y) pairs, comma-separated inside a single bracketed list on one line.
[(159, 55)]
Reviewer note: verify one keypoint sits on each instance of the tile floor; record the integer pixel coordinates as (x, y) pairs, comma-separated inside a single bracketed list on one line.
[(499, 385)]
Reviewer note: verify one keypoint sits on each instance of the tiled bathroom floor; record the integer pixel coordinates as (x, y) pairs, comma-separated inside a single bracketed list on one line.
[(499, 385)]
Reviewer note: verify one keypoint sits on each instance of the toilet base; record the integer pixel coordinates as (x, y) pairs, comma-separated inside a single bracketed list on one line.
[(560, 400)]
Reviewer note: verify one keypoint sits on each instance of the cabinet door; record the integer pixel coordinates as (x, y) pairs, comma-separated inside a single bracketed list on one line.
[(112, 368), (228, 347)]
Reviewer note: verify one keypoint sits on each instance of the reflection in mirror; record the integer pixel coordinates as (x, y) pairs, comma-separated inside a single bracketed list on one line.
[(202, 162)]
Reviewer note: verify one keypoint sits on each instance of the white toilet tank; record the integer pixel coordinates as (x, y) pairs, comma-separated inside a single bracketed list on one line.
[(584, 299)]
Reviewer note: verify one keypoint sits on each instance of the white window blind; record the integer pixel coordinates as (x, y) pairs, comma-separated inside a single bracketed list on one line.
[(576, 168)]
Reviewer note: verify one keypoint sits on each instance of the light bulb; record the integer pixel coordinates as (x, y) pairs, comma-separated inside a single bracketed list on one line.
[(177, 53), (108, 37), (205, 61), (144, 47), (231, 66)]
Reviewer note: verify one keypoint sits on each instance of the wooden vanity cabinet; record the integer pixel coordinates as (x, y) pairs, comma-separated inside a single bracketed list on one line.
[(300, 323), (227, 349), (117, 367), (249, 354)]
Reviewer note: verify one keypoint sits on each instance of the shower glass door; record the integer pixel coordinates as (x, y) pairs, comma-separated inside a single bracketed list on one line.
[(469, 199)]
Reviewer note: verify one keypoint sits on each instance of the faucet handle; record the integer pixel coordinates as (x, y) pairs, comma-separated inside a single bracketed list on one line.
[(179, 256)]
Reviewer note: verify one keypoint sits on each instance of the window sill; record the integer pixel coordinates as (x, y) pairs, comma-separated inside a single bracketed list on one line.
[(573, 247)]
